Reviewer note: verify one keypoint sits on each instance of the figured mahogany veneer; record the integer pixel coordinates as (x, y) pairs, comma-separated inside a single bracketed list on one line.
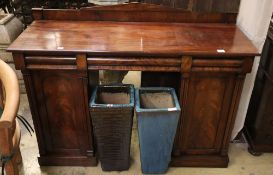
[(133, 39), (60, 59)]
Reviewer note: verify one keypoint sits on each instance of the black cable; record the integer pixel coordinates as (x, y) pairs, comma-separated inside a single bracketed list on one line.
[(26, 122), (26, 126)]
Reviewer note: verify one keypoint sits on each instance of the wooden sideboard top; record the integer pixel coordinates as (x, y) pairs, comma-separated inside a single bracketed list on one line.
[(134, 39)]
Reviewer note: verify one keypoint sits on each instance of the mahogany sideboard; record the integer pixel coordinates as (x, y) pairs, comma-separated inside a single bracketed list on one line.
[(205, 57)]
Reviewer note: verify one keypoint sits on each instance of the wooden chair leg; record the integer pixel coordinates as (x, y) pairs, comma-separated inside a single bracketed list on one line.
[(1, 96), (12, 167)]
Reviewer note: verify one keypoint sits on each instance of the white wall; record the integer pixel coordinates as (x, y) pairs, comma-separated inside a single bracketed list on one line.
[(253, 19)]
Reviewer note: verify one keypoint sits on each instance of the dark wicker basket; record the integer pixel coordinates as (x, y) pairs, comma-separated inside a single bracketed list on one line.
[(112, 119)]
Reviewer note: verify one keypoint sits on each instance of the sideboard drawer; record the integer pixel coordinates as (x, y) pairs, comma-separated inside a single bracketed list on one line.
[(51, 62), (137, 64)]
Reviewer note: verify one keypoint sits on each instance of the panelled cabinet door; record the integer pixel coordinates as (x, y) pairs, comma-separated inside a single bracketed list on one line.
[(259, 120), (62, 111), (206, 117), (266, 62), (262, 128)]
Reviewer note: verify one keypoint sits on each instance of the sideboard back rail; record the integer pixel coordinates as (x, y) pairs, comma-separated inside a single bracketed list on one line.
[(133, 12)]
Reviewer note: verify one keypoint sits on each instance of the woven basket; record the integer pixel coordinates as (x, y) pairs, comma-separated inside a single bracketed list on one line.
[(112, 125)]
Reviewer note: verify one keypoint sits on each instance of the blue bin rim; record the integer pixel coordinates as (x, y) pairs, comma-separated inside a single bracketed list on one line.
[(156, 89), (130, 87)]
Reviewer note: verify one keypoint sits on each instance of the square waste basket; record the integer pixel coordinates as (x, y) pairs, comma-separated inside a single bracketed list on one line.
[(158, 113), (112, 110)]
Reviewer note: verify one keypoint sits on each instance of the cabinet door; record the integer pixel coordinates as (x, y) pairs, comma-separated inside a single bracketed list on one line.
[(266, 62), (206, 113), (263, 126), (259, 120), (62, 107)]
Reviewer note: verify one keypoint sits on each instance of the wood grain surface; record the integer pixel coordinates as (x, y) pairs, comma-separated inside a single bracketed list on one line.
[(115, 38)]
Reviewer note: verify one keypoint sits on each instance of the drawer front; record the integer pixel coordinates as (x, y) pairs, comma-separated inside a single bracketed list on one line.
[(51, 62), (137, 64)]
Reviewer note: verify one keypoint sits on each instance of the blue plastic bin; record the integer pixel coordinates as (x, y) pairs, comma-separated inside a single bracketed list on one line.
[(158, 112)]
